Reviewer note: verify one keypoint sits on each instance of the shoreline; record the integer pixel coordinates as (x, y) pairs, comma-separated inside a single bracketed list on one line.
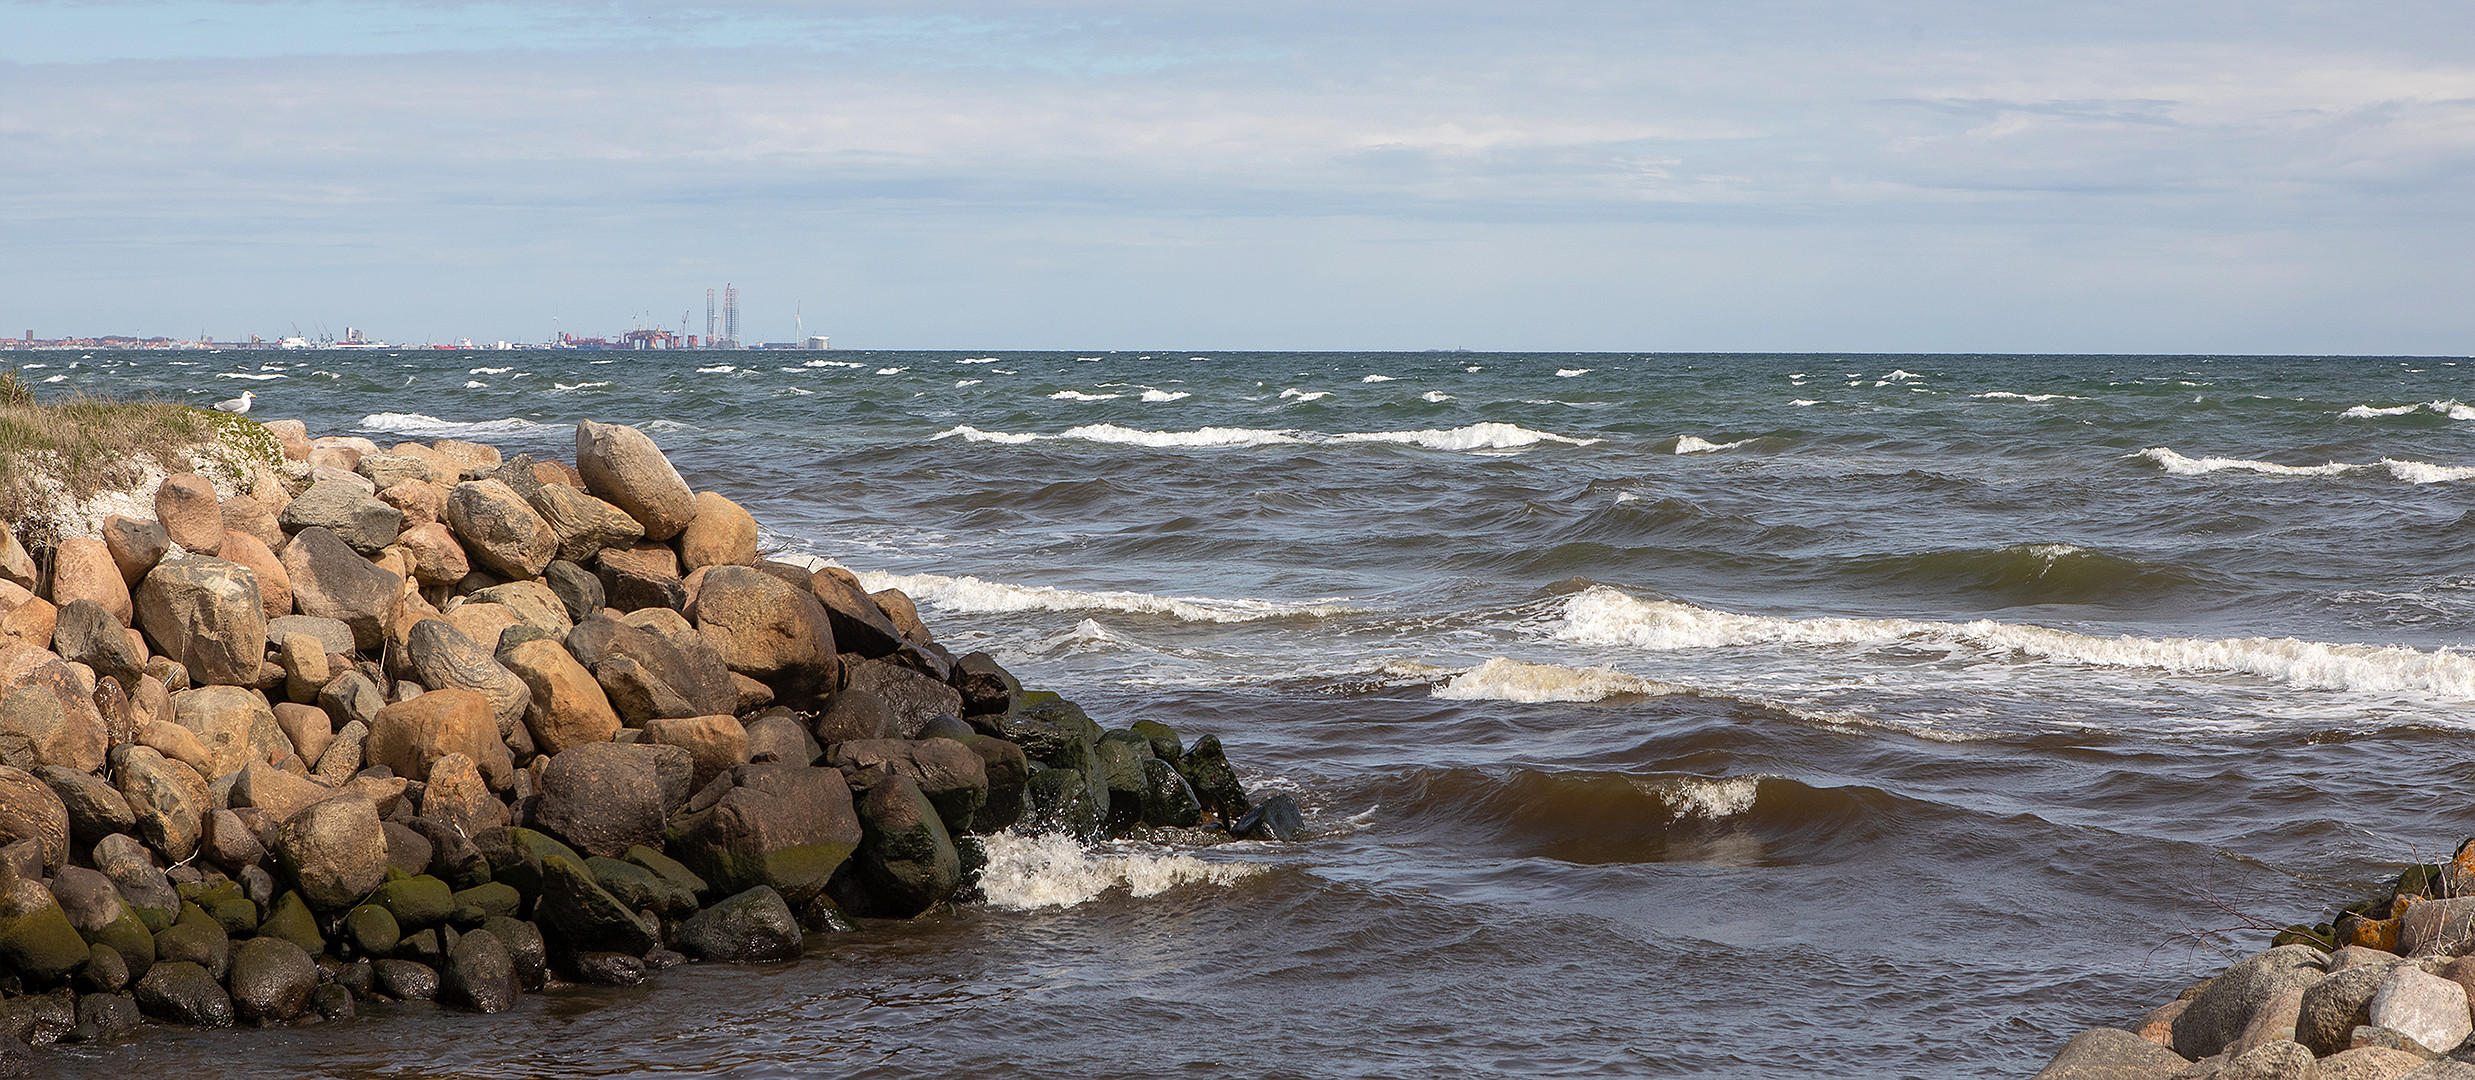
[(430, 723)]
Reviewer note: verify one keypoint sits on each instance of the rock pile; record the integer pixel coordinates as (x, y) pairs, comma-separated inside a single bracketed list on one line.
[(2381, 991), (430, 723)]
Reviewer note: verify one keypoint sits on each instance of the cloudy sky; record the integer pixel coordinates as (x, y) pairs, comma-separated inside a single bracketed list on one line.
[(1639, 176)]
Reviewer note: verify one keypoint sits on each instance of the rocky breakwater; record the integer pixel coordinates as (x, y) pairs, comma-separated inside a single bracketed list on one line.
[(2380, 991), (425, 722)]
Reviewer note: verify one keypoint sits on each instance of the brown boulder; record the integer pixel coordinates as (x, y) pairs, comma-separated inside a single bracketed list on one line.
[(274, 585), (436, 557), (585, 524), (275, 791), (470, 457), (31, 810), (46, 715), (408, 735), (905, 615), (334, 852), (787, 826), (954, 777), (457, 795), (914, 698), (532, 603), (713, 743), (233, 723), (623, 466), (768, 631), (292, 436), (568, 707), (136, 545), (206, 615), (190, 512), (442, 658), (82, 632), (31, 620), (721, 534), (330, 581), (421, 503), (16, 563), (860, 626), (82, 569), (308, 727), (248, 514), (604, 798), (502, 533), (168, 799)]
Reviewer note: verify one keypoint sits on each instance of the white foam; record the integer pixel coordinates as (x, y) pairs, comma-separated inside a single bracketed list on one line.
[(1166, 395), (576, 386), (490, 371), (1436, 396), (2413, 472), (1502, 679), (251, 375), (475, 384), (1304, 395), (1897, 375), (960, 383), (837, 363), (2006, 394), (1802, 402), (1488, 436), (717, 369), (2449, 408), (981, 360), (418, 424), (1077, 395), (967, 594), (1694, 444), (1603, 616), (1376, 378), (1026, 873), (1566, 373), (1710, 799), (892, 370), (1205, 437), (56, 378), (971, 434)]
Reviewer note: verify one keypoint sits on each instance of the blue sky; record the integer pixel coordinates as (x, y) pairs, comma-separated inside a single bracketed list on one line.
[(1930, 176)]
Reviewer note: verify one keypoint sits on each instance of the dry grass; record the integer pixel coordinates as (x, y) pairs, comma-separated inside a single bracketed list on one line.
[(88, 445)]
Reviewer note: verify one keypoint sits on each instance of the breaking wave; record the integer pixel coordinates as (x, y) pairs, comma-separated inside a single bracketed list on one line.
[(2413, 472), (1030, 872), (970, 594), (1488, 436), (1503, 679), (418, 424)]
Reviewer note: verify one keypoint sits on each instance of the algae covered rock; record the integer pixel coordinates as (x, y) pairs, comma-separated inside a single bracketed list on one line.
[(753, 927), (907, 858), (271, 980), (779, 825), (577, 915), (181, 992)]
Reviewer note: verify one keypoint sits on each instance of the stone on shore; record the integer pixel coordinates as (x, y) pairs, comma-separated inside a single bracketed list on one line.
[(84, 633), (906, 857), (407, 736), (953, 776), (855, 714), (604, 798), (623, 466), (206, 615), (346, 511), (186, 505), (135, 545), (330, 581), (419, 501), (753, 927), (253, 517), (169, 800), (83, 569), (181, 992), (2219, 1014), (720, 534), (577, 915), (915, 699), (233, 724), (767, 630), (274, 584), (443, 657), (2424, 1007), (787, 826), (95, 808), (859, 625), (584, 525), (566, 707), (2336, 1005), (437, 559), (480, 974), (2111, 1054), (46, 715), (713, 743), (2437, 927), (500, 529), (334, 852), (271, 980)]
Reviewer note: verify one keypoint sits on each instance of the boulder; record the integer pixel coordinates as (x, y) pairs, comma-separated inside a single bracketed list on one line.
[(2437, 927), (905, 615), (781, 735), (1120, 767), (577, 589), (87, 897), (953, 777), (37, 941), (347, 511), (859, 625), (421, 502), (768, 631), (668, 648), (46, 714), (2368, 1063), (168, 799), (906, 857), (387, 470), (502, 533), (82, 569), (2422, 1006), (585, 525), (135, 545), (333, 637), (279, 793), (2335, 1005), (988, 688), (207, 616), (721, 534), (351, 697), (233, 724), (2276, 1060), (274, 584), (1166, 799), (416, 903), (753, 927), (577, 915), (330, 581), (626, 588), (334, 852), (251, 516), (444, 658), (177, 743), (28, 619), (271, 980), (408, 850), (487, 624), (533, 603), (407, 736), (642, 889), (95, 808), (181, 992), (636, 694), (2111, 1054), (1008, 771), (16, 565), (84, 633), (1215, 784), (854, 714), (308, 727), (2219, 1014), (1060, 801), (607, 797), (481, 973), (151, 897), (405, 980), (290, 919), (437, 559), (190, 513), (623, 466), (914, 698), (566, 707), (782, 825), (457, 795), (229, 843), (713, 743)]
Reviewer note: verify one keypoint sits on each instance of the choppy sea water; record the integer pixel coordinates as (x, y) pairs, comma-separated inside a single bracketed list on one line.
[(1663, 715)]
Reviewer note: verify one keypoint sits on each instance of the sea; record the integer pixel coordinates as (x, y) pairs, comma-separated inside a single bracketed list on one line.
[(1653, 714)]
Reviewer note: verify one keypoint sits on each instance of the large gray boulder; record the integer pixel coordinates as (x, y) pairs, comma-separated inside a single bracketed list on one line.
[(623, 466), (346, 511), (168, 799), (46, 717), (951, 775), (670, 650), (2437, 927), (500, 530), (443, 658), (914, 698), (206, 615), (786, 826), (2336, 1005), (604, 798), (2422, 1006), (2111, 1054), (83, 632), (768, 631), (2219, 1014), (330, 581)]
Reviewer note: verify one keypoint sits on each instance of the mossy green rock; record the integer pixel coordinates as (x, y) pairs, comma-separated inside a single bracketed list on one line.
[(1215, 784), (182, 992), (1121, 769), (670, 869), (416, 902), (425, 948), (641, 889), (906, 858), (1059, 801), (577, 915), (36, 938), (1166, 799), (291, 920), (1165, 744), (485, 901), (1008, 769), (515, 856), (229, 908), (373, 931), (130, 938), (197, 939)]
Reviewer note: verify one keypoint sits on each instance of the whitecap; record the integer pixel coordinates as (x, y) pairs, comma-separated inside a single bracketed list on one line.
[(475, 384), (1304, 395), (838, 363), (2450, 408), (1566, 373), (717, 369), (1077, 395), (960, 383), (1488, 436), (971, 434), (1376, 379), (56, 378), (1710, 798), (2034, 398), (2420, 472), (489, 371), (419, 424), (982, 360), (1166, 395), (1027, 873), (668, 425), (1502, 679), (967, 594), (251, 375), (1695, 444), (892, 370), (1436, 396), (577, 386), (1603, 616), (1897, 375), (2179, 465), (1803, 402)]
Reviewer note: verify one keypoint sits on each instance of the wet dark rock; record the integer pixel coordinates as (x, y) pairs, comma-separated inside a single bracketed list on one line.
[(408, 849), (641, 889), (526, 951), (669, 869), (577, 915), (754, 927), (105, 972), (198, 939), (915, 699), (1007, 771), (1215, 784), (854, 714), (1276, 818), (859, 625), (405, 980), (1059, 801), (1121, 768), (607, 968), (578, 590), (372, 931), (271, 980), (1165, 798), (109, 1015), (785, 826), (483, 901), (332, 1002), (604, 798), (906, 857), (181, 992), (124, 860), (481, 973), (628, 588), (985, 686), (289, 918), (952, 775), (515, 857)]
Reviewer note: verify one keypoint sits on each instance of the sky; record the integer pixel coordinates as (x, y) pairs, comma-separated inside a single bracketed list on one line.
[(1638, 176)]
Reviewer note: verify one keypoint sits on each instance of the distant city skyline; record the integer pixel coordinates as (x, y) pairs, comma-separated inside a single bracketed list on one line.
[(1776, 175)]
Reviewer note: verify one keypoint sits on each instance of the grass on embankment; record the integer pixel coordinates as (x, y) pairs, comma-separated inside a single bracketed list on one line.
[(87, 445)]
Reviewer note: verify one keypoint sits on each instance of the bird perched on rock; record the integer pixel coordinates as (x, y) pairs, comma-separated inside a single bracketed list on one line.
[(239, 404)]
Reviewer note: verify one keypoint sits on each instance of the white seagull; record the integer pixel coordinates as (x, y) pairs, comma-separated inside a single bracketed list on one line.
[(239, 404)]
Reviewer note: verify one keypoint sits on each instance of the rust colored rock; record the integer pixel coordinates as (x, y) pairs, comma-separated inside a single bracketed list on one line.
[(721, 534), (31, 620), (501, 531), (190, 513), (436, 557), (82, 569), (713, 743), (274, 584), (456, 794), (246, 513), (407, 736), (905, 615), (470, 457), (207, 615), (422, 503), (568, 706), (292, 436), (624, 466)]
